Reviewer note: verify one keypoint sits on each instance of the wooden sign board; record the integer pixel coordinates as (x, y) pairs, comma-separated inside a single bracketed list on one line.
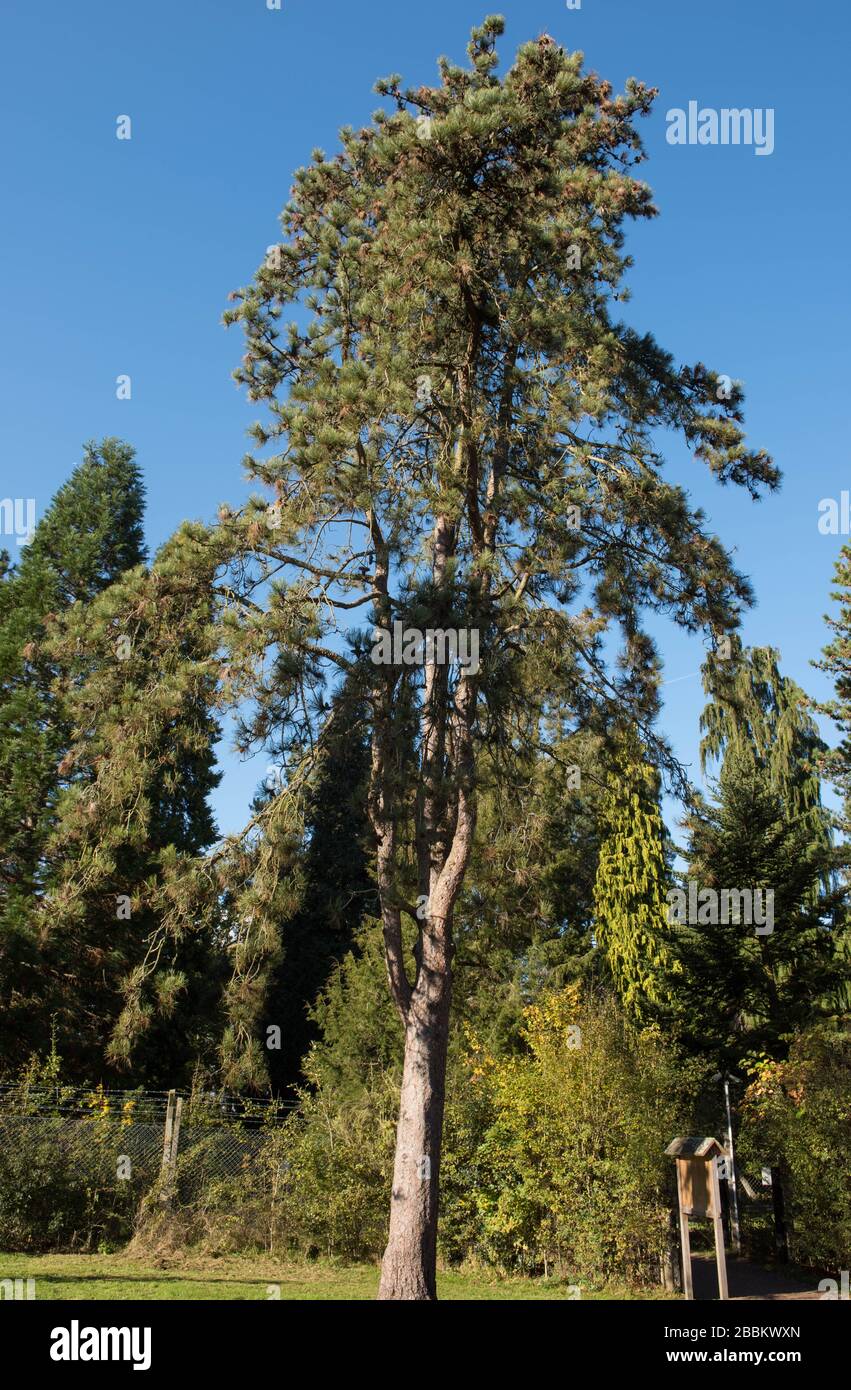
[(699, 1196), (697, 1187)]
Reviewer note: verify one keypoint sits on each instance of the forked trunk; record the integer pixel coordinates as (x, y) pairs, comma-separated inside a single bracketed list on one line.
[(409, 1267)]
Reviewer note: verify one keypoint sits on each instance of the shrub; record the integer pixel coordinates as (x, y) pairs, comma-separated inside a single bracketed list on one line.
[(796, 1115), (59, 1188), (317, 1185), (568, 1173)]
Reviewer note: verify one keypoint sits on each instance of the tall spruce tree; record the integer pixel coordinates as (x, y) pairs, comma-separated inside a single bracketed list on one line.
[(836, 662), (466, 440), (753, 705), (90, 534), (751, 978), (836, 762), (754, 708)]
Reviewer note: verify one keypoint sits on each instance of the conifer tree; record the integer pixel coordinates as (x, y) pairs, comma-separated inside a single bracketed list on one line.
[(836, 762), (836, 662), (751, 978), (464, 439), (90, 534), (338, 892), (138, 678), (752, 705), (524, 918), (356, 1036), (632, 924), (86, 629)]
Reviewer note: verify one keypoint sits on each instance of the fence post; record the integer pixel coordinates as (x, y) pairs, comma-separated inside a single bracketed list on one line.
[(171, 1141)]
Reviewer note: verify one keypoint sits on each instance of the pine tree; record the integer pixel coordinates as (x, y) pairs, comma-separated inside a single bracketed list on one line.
[(463, 398), (465, 440)]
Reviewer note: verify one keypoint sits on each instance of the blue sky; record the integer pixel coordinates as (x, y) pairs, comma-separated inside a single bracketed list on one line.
[(119, 255)]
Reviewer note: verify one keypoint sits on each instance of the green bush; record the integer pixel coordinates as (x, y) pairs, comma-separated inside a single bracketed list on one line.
[(555, 1157), (59, 1185), (317, 1185), (340, 1164), (796, 1116)]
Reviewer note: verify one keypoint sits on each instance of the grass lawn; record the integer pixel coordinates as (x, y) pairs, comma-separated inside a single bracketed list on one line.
[(118, 1277)]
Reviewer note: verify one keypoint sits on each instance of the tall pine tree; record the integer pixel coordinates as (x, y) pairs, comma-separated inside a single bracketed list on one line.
[(465, 439)]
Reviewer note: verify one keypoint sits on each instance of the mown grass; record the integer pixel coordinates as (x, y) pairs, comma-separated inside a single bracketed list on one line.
[(116, 1277)]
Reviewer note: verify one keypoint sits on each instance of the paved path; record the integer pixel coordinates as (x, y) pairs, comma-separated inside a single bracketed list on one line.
[(750, 1281)]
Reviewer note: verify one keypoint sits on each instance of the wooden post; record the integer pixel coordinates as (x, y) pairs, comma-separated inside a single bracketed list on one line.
[(169, 1125), (685, 1243), (732, 1189), (171, 1140), (718, 1225), (175, 1133)]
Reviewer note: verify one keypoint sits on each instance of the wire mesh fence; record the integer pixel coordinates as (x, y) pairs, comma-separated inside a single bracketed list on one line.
[(134, 1150), (76, 1164)]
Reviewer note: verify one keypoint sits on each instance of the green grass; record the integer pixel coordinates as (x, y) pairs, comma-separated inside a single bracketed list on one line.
[(119, 1277)]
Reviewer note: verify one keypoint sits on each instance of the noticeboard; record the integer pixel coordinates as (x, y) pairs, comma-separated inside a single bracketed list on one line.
[(696, 1177)]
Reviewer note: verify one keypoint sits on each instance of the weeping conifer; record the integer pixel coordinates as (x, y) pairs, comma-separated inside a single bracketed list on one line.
[(632, 925)]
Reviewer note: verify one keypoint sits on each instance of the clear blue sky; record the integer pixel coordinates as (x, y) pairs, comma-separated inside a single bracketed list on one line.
[(118, 255)]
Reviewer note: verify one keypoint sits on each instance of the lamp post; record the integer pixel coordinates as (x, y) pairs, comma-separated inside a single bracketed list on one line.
[(735, 1232)]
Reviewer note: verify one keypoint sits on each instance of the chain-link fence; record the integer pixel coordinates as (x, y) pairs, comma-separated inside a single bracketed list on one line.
[(76, 1164)]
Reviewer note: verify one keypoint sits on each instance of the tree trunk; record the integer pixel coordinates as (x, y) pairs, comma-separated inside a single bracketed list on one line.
[(409, 1266)]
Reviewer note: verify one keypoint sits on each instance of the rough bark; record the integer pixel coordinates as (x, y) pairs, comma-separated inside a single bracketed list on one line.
[(445, 827), (409, 1267)]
